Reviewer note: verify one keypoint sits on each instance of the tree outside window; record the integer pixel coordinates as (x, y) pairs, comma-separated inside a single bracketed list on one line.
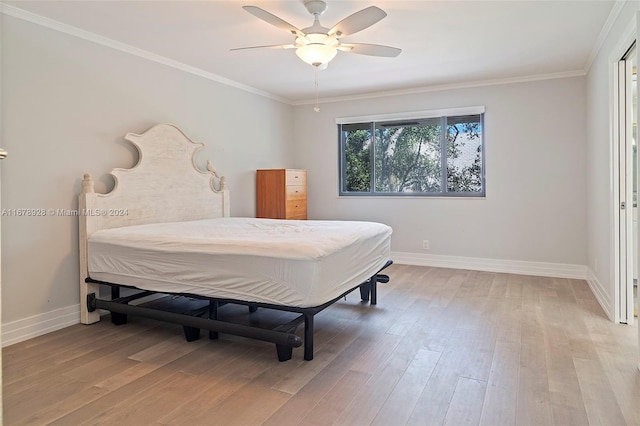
[(406, 157)]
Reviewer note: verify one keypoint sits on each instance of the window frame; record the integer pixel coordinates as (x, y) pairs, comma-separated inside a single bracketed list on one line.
[(417, 115)]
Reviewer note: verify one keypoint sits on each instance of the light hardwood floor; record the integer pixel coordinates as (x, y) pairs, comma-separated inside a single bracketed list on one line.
[(443, 346)]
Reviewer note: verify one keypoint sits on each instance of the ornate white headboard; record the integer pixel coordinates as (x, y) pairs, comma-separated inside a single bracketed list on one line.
[(165, 186)]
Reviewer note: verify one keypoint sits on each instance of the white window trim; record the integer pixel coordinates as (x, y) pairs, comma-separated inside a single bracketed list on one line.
[(472, 110)]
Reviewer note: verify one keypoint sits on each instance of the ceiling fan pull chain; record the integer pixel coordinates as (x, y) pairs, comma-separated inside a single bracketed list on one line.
[(316, 108)]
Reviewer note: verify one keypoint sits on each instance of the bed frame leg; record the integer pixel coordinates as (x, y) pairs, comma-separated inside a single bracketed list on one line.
[(284, 352), (213, 314), (115, 292), (369, 288), (365, 289), (118, 319), (374, 290), (308, 337), (191, 333), (252, 308), (378, 278)]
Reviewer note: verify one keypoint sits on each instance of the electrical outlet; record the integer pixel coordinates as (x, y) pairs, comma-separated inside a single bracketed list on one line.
[(425, 244)]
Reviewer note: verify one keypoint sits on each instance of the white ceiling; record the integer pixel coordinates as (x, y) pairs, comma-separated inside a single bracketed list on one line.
[(443, 42)]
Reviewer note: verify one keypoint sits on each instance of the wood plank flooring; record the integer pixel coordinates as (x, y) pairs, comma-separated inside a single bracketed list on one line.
[(443, 346)]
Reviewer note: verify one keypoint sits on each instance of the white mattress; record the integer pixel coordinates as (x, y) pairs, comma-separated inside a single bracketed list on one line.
[(283, 262)]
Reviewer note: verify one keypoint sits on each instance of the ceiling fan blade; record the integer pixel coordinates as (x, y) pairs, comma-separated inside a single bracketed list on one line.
[(370, 49), (273, 46), (272, 19), (358, 21)]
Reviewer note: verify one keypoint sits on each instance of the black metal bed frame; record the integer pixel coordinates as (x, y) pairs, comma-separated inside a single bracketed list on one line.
[(283, 336)]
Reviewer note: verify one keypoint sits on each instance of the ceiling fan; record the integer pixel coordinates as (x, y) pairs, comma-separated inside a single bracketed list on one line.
[(318, 45)]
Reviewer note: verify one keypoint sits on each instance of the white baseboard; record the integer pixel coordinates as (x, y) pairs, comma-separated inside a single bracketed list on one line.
[(557, 270), (541, 269), (37, 325), (601, 294)]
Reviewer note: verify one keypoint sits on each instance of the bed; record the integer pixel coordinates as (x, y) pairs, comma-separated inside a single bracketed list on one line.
[(165, 229)]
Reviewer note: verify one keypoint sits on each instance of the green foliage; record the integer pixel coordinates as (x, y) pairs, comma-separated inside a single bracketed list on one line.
[(357, 145), (408, 159), (466, 178)]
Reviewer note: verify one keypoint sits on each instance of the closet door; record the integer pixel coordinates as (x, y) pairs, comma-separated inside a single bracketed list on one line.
[(3, 155)]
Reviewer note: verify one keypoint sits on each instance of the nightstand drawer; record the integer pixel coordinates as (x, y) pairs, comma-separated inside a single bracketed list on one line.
[(296, 192), (296, 177), (297, 209)]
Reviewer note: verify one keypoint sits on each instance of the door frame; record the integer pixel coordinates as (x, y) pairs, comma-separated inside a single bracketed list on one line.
[(637, 37), (626, 236), (621, 247)]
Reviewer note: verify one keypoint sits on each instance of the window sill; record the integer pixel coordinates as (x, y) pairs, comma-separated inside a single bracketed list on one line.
[(412, 197)]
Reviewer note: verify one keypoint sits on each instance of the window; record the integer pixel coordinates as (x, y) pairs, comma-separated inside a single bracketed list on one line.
[(430, 155)]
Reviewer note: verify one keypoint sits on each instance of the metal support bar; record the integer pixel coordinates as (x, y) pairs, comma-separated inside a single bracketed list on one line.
[(121, 319), (291, 326), (279, 338), (308, 337), (213, 314)]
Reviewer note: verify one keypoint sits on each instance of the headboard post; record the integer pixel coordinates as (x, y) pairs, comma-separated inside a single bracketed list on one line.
[(86, 205), (165, 185), (87, 183)]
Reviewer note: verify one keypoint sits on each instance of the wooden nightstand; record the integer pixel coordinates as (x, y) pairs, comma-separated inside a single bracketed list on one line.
[(281, 194)]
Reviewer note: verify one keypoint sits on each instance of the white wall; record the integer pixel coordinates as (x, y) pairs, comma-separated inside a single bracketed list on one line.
[(599, 159), (66, 105), (535, 172)]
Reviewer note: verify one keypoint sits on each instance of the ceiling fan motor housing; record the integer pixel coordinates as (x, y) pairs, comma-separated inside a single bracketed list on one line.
[(315, 7)]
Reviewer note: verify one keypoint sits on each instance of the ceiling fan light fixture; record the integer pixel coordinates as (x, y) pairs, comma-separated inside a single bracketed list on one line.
[(316, 54), (317, 45)]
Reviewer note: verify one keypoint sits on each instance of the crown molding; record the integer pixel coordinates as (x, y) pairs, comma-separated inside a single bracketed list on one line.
[(52, 24), (604, 33), (442, 87)]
